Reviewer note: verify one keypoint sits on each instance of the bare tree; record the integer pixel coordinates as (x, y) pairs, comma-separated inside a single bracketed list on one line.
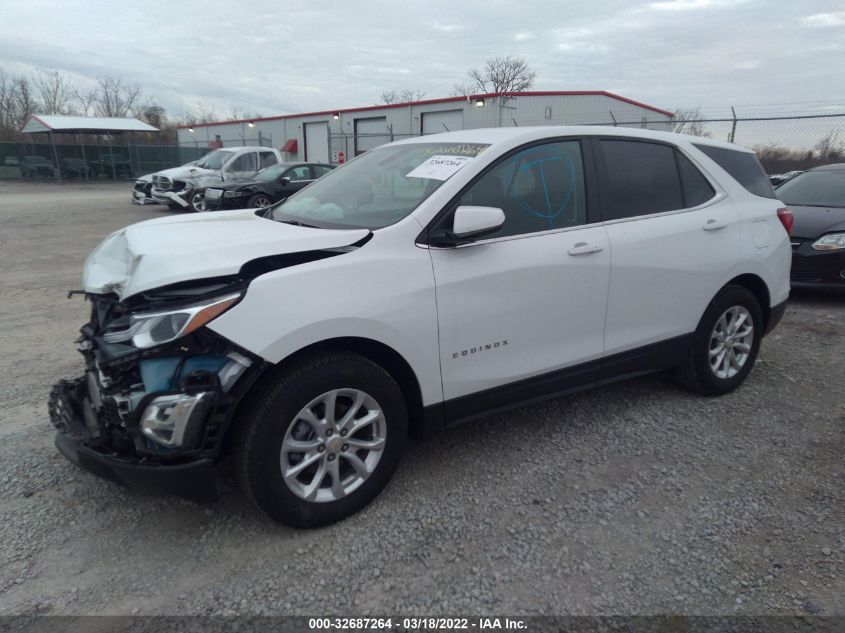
[(153, 114), (24, 100), (55, 91), (461, 90), (8, 118), (689, 122), (401, 95), (502, 74), (116, 99), (85, 101), (829, 148)]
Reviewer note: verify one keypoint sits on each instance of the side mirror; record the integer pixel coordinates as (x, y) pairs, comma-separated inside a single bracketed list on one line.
[(468, 224), (284, 181), (477, 221)]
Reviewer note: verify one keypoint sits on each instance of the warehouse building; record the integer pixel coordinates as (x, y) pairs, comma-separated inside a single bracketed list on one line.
[(338, 135)]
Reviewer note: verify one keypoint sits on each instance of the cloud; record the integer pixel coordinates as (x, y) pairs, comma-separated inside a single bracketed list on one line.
[(322, 57), (687, 5), (836, 18)]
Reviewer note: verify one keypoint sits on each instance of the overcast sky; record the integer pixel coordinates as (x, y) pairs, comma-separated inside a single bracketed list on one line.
[(273, 56)]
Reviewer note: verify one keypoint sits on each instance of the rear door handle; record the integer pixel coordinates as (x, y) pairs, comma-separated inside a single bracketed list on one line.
[(714, 225), (582, 248)]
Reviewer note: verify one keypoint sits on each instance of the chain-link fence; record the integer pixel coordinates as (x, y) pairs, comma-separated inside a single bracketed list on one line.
[(90, 162), (782, 143)]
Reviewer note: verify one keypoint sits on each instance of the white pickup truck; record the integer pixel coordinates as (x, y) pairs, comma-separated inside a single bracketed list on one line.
[(184, 187)]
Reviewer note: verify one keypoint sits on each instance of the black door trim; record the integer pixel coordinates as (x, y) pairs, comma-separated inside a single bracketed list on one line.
[(643, 360)]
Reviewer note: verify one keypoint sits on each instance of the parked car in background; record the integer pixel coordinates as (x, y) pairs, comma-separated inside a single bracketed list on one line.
[(75, 168), (184, 187), (817, 200), (428, 282), (779, 179), (11, 161), (270, 186), (112, 166), (37, 167), (142, 190)]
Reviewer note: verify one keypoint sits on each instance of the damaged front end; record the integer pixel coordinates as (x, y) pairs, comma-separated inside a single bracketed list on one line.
[(159, 389)]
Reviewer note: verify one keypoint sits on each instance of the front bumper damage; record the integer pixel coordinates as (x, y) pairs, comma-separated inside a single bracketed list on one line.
[(179, 198), (153, 419), (142, 193)]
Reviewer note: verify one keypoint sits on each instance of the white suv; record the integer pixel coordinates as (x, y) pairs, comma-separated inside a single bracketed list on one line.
[(426, 282)]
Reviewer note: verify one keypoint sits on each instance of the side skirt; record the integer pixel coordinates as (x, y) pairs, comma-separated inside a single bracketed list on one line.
[(644, 360)]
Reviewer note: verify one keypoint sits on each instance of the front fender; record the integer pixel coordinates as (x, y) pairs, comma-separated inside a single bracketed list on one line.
[(384, 297)]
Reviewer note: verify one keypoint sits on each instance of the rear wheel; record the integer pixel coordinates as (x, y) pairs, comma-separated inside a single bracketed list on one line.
[(320, 440), (725, 344)]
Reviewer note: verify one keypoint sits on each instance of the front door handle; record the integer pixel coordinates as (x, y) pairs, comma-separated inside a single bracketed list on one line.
[(714, 225), (582, 248)]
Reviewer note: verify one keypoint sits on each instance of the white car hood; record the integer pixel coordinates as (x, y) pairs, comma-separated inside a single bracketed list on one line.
[(164, 251)]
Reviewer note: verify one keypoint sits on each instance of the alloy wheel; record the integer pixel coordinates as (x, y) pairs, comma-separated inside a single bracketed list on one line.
[(333, 445), (198, 202), (262, 201), (731, 341)]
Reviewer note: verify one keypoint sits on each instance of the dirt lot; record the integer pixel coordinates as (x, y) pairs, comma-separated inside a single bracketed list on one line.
[(638, 498)]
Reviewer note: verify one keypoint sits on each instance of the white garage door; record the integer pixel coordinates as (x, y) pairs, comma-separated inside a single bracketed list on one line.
[(434, 122), (370, 133), (317, 142)]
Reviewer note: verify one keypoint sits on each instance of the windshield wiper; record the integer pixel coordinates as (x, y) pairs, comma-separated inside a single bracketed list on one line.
[(298, 223)]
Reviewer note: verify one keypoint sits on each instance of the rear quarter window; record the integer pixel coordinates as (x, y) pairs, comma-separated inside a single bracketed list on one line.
[(743, 167)]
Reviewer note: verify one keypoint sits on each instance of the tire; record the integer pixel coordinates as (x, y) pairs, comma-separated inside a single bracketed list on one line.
[(197, 201), (703, 371), (274, 419), (259, 201)]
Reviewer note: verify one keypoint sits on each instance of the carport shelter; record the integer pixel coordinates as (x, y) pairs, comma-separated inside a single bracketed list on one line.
[(52, 124)]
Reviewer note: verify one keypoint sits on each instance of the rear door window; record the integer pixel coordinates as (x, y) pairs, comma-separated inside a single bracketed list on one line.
[(697, 189), (266, 159), (640, 178), (743, 167)]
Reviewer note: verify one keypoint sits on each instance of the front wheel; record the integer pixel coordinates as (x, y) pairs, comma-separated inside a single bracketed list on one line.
[(259, 201), (197, 201), (320, 440), (725, 344)]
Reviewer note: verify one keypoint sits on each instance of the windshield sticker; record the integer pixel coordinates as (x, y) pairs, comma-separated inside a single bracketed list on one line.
[(461, 149), (439, 167)]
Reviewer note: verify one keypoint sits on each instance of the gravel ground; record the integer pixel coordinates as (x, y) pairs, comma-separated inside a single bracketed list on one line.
[(639, 498)]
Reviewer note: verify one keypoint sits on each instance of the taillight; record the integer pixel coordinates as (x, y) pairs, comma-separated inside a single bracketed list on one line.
[(786, 218)]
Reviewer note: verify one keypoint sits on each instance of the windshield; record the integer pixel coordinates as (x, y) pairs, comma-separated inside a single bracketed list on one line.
[(215, 159), (379, 187), (269, 174), (823, 188)]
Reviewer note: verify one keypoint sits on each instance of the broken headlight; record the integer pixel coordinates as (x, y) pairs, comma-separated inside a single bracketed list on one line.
[(156, 328)]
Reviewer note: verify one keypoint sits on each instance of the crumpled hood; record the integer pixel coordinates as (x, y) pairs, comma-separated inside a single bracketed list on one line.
[(187, 172), (169, 250)]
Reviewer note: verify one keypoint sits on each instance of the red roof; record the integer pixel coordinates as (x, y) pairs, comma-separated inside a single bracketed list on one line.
[(550, 93)]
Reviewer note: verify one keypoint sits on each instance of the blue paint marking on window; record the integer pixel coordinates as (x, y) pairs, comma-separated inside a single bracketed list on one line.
[(550, 212)]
